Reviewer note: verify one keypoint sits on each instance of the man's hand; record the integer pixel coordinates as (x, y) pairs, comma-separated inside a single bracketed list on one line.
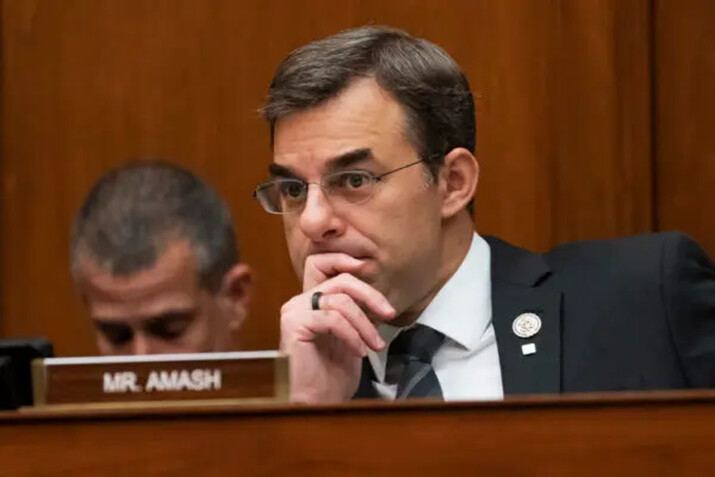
[(326, 346)]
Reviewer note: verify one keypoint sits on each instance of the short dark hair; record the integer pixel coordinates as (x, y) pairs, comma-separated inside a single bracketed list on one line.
[(420, 75), (133, 211)]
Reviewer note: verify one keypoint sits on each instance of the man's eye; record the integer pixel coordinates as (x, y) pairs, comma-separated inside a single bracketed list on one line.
[(353, 180), (291, 190), (170, 328), (117, 335)]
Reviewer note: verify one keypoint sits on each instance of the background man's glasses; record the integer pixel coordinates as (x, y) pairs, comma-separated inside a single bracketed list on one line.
[(288, 196)]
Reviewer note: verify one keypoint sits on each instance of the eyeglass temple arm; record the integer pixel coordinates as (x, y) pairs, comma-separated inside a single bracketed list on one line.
[(398, 169)]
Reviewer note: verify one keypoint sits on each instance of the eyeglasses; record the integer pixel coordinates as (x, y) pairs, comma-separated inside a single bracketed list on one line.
[(288, 196)]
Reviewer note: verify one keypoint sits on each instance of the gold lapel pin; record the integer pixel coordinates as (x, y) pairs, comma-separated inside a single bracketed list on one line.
[(526, 325)]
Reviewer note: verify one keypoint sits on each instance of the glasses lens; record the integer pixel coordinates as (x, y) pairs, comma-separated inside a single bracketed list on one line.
[(282, 196), (267, 196), (350, 186)]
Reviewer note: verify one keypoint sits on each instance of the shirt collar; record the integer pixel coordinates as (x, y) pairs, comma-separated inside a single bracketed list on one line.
[(461, 310)]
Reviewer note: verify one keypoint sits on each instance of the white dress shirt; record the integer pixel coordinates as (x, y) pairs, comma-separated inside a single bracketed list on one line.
[(467, 363)]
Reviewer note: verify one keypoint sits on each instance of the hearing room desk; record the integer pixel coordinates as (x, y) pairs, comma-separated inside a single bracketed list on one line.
[(669, 433)]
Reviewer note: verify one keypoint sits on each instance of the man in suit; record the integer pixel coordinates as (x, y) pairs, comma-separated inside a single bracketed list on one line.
[(155, 259), (373, 135)]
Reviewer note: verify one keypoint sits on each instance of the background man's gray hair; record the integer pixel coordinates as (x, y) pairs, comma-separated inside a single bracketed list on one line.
[(420, 75), (134, 211)]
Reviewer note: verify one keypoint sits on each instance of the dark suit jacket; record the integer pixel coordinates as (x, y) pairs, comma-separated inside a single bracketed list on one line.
[(628, 314)]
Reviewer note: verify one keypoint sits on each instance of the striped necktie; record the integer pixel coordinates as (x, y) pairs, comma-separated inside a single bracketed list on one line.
[(409, 363)]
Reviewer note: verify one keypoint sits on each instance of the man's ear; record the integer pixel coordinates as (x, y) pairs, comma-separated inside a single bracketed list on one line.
[(458, 179), (236, 294)]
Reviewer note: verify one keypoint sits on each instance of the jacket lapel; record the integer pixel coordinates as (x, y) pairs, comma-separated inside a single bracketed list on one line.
[(519, 285)]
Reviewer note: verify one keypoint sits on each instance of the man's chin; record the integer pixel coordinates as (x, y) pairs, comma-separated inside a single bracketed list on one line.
[(368, 272)]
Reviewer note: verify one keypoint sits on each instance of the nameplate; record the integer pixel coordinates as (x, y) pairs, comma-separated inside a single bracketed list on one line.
[(259, 375)]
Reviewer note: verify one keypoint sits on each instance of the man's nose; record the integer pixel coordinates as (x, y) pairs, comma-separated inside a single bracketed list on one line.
[(142, 344), (318, 219)]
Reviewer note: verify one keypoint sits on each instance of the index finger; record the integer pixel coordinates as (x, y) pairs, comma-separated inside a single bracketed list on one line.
[(360, 292), (322, 266)]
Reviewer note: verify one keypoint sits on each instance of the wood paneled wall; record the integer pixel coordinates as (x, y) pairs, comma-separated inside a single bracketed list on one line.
[(684, 119), (564, 104)]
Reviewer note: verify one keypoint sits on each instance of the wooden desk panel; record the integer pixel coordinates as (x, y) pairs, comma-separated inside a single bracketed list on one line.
[(647, 434)]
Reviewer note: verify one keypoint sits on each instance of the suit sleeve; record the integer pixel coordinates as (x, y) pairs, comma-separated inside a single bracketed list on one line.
[(688, 289)]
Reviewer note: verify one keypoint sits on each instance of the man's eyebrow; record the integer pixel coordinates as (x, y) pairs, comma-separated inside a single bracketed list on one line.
[(343, 161), (349, 159), (172, 315), (276, 170), (99, 322)]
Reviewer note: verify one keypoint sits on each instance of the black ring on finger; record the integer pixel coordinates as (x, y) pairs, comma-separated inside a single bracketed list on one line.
[(315, 300)]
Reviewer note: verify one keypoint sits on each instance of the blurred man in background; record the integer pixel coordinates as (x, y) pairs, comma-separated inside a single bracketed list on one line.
[(156, 261)]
